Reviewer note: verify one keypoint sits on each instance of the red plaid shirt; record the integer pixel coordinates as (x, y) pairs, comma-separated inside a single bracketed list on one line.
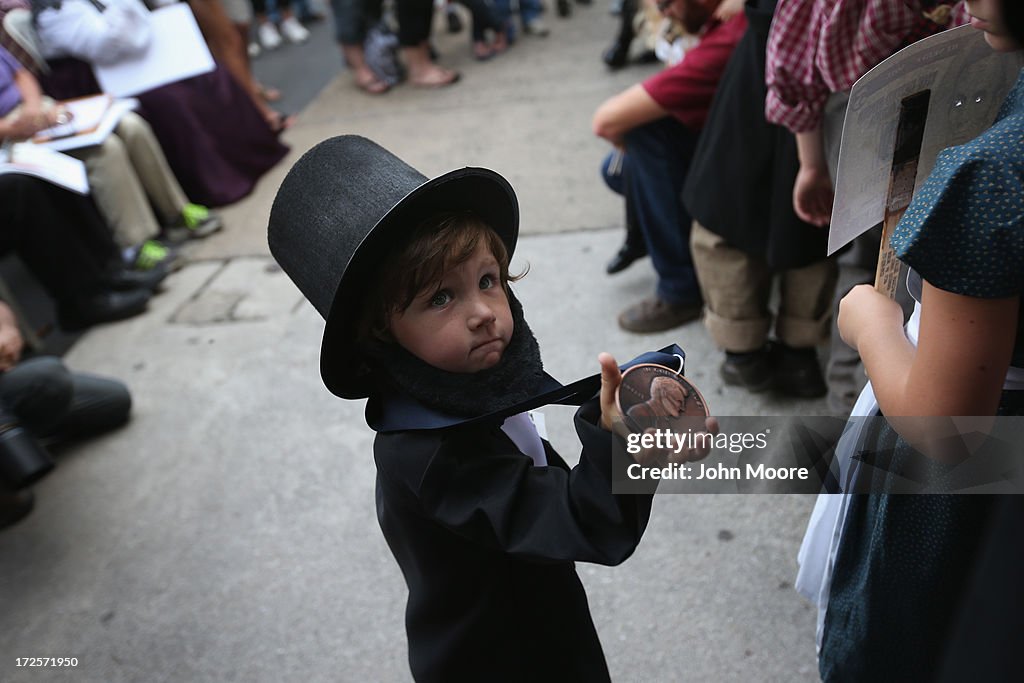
[(817, 47)]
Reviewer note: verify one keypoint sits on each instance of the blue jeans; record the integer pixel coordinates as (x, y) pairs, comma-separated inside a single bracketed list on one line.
[(654, 168), (529, 10)]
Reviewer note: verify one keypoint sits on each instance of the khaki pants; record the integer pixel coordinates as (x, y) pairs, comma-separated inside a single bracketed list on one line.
[(126, 173), (736, 288)]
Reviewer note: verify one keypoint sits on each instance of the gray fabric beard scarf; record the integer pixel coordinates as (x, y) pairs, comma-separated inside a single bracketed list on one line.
[(518, 376)]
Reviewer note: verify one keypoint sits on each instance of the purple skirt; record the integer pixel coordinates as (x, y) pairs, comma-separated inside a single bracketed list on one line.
[(215, 139)]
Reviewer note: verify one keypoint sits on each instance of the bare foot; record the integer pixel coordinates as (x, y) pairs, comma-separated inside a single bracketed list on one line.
[(368, 82), (434, 76)]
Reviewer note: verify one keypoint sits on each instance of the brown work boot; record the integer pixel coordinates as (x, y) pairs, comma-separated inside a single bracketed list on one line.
[(656, 315)]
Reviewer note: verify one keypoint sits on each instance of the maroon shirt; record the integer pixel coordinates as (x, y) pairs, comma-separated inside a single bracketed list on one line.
[(685, 90)]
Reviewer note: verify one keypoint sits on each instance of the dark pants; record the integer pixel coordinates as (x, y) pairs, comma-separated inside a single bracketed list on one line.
[(484, 17), (52, 401), (654, 169), (58, 234), (353, 18), (414, 18), (626, 31)]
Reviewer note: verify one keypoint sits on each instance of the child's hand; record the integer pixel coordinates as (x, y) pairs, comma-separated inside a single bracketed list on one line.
[(813, 195), (865, 309), (611, 377), (697, 449)]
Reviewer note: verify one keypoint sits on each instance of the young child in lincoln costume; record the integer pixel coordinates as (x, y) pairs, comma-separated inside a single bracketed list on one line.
[(483, 516)]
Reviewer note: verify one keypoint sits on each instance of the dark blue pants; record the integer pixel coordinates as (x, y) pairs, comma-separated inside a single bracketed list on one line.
[(657, 159)]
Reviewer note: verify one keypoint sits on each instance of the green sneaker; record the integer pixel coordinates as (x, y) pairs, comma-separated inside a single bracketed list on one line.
[(152, 254), (199, 221)]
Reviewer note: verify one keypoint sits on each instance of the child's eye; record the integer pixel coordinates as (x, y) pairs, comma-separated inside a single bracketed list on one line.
[(487, 281), (441, 298)]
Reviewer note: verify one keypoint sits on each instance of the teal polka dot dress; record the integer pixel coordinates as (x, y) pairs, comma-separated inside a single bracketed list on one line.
[(904, 560)]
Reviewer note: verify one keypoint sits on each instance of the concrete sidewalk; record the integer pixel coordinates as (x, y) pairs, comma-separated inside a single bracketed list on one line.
[(228, 533)]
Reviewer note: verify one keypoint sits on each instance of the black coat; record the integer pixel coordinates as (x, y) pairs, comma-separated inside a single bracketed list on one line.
[(486, 542)]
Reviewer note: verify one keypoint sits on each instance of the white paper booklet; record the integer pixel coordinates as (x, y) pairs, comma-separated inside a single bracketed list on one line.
[(177, 52), (47, 164), (92, 120)]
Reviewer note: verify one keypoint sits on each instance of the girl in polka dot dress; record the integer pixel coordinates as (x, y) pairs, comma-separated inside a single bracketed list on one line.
[(904, 560)]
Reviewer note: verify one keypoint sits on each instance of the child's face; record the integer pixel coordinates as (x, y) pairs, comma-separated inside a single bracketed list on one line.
[(987, 16), (465, 324)]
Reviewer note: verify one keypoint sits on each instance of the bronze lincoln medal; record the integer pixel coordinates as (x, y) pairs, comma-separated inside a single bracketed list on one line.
[(656, 397)]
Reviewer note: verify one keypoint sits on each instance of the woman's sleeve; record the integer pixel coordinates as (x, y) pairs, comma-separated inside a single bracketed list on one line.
[(499, 500), (77, 29), (964, 230)]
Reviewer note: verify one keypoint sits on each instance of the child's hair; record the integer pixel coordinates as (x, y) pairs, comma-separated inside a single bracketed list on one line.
[(434, 247)]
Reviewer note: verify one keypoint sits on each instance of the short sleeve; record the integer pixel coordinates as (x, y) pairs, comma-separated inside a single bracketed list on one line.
[(964, 230), (9, 62), (686, 90)]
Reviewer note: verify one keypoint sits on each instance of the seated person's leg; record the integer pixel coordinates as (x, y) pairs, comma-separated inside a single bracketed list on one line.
[(159, 183), (657, 159), (38, 391), (98, 404), (63, 241), (118, 192), (611, 171), (633, 247)]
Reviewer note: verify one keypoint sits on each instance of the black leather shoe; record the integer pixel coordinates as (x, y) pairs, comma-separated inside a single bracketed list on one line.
[(753, 371), (624, 258), (124, 279), (616, 57), (102, 307), (564, 8), (798, 373)]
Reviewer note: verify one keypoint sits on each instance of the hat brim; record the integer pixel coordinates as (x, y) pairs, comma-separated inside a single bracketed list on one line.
[(479, 190)]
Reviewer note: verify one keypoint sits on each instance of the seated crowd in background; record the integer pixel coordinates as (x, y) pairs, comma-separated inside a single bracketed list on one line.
[(193, 144)]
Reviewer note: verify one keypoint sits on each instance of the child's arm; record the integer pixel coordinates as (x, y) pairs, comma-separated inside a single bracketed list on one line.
[(961, 359), (476, 484), (32, 117)]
